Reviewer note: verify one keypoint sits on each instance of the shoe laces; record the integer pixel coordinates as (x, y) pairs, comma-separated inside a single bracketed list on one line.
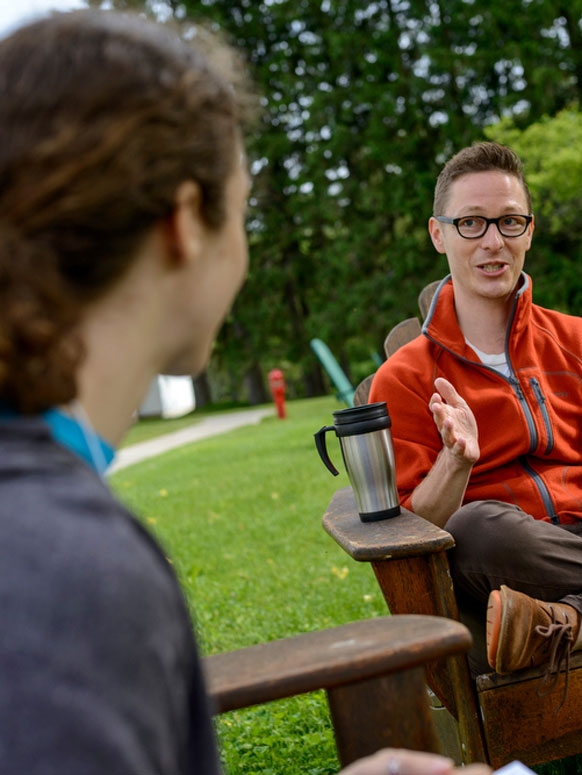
[(561, 637)]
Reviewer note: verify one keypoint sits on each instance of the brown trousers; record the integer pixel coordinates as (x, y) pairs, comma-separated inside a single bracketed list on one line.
[(497, 543)]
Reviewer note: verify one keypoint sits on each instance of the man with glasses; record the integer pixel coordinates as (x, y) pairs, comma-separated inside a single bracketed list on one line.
[(486, 407)]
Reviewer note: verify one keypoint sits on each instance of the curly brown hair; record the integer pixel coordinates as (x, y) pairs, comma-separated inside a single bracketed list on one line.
[(102, 116), (479, 157)]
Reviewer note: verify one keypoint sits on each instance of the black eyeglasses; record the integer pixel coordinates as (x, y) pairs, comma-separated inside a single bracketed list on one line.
[(475, 226)]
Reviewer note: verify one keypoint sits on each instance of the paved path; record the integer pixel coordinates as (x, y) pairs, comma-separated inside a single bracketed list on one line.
[(209, 426)]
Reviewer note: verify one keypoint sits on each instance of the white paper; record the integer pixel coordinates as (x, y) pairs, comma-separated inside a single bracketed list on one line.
[(514, 768)]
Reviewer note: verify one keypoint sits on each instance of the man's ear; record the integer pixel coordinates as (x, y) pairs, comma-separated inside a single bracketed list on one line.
[(436, 235), (184, 227)]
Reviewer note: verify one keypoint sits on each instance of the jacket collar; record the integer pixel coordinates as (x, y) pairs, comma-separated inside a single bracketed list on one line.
[(441, 324)]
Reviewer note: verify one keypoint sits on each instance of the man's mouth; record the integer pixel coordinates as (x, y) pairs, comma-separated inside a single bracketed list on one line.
[(491, 267)]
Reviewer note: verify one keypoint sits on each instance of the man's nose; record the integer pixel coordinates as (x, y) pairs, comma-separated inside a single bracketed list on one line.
[(492, 237)]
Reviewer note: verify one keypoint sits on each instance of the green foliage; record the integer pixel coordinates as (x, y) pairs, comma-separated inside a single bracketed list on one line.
[(240, 517), (550, 151), (363, 103)]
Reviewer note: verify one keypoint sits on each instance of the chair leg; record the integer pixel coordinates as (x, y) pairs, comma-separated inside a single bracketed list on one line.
[(426, 580), (447, 729), (390, 711)]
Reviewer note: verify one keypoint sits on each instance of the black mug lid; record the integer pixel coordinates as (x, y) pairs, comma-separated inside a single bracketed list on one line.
[(363, 413), (362, 419)]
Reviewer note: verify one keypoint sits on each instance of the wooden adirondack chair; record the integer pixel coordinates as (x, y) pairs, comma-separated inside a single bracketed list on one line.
[(373, 672), (490, 718)]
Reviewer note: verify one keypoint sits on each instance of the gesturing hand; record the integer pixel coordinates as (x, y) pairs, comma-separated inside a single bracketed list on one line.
[(455, 422), (400, 762)]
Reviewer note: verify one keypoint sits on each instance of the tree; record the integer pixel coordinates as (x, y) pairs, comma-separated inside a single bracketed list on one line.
[(363, 103), (550, 151)]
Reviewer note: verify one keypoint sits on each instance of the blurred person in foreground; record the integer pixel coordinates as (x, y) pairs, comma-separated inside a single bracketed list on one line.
[(123, 188), (487, 422)]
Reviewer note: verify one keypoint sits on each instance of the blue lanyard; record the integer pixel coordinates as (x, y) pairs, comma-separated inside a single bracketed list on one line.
[(80, 439), (73, 434)]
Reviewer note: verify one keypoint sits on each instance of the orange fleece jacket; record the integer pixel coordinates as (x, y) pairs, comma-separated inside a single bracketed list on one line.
[(530, 424)]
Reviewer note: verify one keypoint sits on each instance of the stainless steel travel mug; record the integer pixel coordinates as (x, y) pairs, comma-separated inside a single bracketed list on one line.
[(368, 455)]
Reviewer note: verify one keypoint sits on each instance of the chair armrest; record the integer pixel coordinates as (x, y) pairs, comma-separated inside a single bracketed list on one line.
[(407, 535), (329, 658), (409, 558)]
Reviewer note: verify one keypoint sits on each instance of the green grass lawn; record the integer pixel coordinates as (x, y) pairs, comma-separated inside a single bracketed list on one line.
[(240, 518)]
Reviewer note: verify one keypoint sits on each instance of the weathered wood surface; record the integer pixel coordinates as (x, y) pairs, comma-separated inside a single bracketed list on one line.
[(500, 717), (390, 711), (407, 535), (401, 334), (522, 723), (425, 297), (410, 586), (362, 392), (409, 557), (328, 658)]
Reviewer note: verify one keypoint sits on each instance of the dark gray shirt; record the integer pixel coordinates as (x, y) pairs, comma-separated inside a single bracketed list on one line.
[(98, 667)]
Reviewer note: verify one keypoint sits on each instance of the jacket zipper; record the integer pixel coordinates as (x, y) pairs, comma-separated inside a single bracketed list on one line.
[(544, 492), (541, 399), (533, 434), (545, 495), (538, 481)]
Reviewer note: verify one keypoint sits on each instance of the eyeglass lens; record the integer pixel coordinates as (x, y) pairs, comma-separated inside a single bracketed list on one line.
[(508, 225)]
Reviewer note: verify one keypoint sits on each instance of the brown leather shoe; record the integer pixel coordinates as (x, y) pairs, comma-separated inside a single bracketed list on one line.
[(524, 632)]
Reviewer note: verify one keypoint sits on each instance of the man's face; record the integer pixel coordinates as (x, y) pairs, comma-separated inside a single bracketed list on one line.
[(489, 266)]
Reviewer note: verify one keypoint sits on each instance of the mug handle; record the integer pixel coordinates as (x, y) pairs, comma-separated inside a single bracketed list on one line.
[(322, 449)]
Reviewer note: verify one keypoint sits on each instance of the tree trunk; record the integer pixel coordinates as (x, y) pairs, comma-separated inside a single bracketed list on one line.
[(314, 382), (202, 390), (255, 386)]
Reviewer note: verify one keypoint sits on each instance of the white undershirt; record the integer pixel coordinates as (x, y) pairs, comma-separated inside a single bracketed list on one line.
[(498, 361)]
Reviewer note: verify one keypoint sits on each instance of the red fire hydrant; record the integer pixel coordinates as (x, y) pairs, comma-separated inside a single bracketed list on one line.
[(277, 386)]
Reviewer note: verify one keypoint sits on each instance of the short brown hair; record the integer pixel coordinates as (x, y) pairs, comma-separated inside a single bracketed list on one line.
[(102, 116), (480, 157)]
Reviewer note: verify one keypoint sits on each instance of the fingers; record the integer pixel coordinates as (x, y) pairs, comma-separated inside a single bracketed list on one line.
[(435, 402), (391, 761), (448, 392), (400, 762), (454, 421)]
